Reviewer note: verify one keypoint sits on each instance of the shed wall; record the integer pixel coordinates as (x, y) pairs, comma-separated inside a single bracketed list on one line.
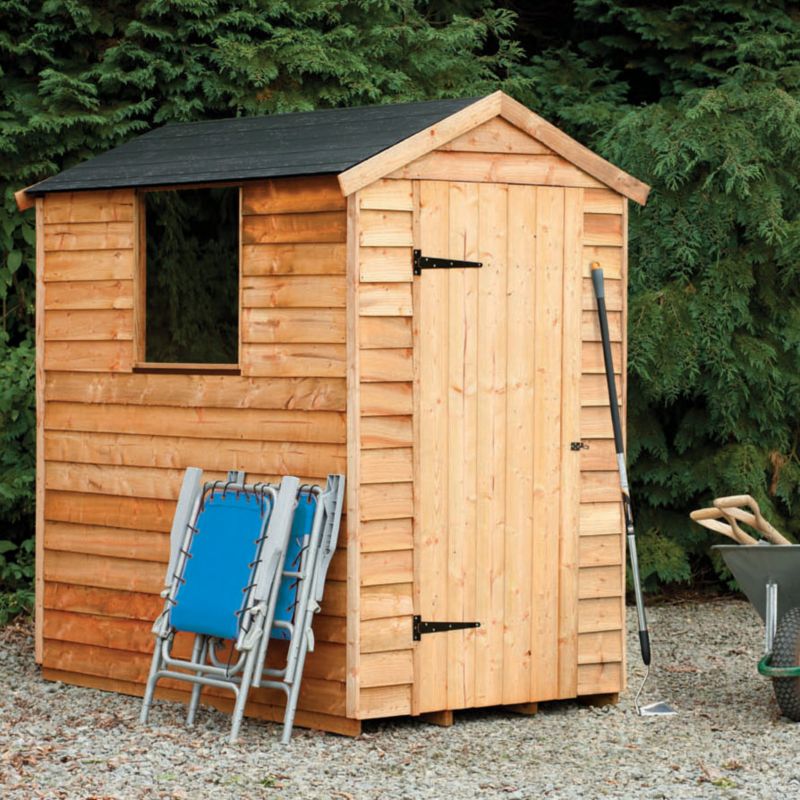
[(116, 441), (384, 536)]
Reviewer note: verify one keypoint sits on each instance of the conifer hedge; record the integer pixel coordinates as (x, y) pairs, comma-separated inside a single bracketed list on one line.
[(701, 99)]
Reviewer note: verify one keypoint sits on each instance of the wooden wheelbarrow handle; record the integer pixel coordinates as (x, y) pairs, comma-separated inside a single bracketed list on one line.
[(710, 518), (730, 509)]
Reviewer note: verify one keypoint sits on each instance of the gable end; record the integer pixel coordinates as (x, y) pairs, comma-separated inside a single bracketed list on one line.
[(474, 128)]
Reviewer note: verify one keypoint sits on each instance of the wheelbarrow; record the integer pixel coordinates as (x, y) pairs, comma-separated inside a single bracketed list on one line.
[(768, 572)]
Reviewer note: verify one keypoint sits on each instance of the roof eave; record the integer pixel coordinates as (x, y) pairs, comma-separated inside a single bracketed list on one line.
[(25, 198), (573, 151)]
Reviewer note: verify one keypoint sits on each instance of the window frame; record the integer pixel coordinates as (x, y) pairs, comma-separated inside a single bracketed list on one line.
[(140, 363)]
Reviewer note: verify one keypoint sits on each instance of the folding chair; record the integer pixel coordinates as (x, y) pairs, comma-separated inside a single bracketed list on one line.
[(315, 532), (227, 550)]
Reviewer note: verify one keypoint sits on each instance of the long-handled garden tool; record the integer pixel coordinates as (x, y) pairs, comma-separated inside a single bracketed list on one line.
[(653, 709)]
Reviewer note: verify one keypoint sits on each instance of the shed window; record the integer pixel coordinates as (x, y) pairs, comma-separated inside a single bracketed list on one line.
[(192, 276)]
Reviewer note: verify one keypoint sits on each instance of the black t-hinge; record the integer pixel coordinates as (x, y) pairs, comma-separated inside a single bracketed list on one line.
[(422, 262), (421, 627)]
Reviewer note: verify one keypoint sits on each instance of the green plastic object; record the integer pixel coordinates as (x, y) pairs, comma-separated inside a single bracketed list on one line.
[(768, 671)]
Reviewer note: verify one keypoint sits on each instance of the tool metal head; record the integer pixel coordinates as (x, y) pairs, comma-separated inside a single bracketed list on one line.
[(659, 709)]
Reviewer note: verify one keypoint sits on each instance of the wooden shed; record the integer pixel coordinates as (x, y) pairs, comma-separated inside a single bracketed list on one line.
[(456, 399)]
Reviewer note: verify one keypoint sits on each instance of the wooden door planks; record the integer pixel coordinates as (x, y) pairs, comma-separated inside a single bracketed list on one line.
[(491, 446), (461, 386), (547, 485), (521, 377), (431, 522), (545, 622), (571, 357)]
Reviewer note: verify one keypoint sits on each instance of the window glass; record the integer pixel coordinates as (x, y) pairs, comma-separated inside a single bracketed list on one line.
[(192, 256)]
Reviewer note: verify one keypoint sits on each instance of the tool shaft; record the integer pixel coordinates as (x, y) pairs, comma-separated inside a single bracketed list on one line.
[(616, 424)]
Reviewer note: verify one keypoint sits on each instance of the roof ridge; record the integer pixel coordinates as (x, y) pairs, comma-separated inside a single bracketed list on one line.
[(311, 111)]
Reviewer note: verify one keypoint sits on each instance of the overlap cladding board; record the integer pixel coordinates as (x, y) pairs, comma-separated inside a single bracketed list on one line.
[(116, 441)]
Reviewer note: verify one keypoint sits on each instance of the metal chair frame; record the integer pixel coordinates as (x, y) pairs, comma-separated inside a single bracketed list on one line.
[(258, 611)]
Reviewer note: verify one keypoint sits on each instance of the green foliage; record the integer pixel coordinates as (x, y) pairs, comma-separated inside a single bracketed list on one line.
[(700, 99), (16, 578), (663, 559), (17, 432), (714, 360), (714, 357), (17, 466)]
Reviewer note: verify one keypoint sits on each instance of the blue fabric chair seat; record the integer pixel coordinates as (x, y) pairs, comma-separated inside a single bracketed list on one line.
[(222, 549), (287, 595)]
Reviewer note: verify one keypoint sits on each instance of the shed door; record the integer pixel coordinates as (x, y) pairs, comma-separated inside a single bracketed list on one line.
[(497, 371)]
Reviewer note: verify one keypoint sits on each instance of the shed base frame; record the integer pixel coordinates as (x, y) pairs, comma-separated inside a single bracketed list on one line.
[(599, 700), (304, 719), (526, 709), (444, 719), (342, 726)]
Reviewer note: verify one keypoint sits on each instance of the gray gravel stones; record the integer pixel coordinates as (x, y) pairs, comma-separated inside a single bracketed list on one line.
[(63, 742)]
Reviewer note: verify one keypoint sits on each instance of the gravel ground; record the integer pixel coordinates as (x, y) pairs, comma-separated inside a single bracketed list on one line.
[(728, 741)]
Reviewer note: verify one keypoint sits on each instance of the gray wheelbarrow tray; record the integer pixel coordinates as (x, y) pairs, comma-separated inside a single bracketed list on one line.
[(770, 577)]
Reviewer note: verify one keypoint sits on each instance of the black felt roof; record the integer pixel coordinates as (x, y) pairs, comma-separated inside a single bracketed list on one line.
[(303, 143)]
